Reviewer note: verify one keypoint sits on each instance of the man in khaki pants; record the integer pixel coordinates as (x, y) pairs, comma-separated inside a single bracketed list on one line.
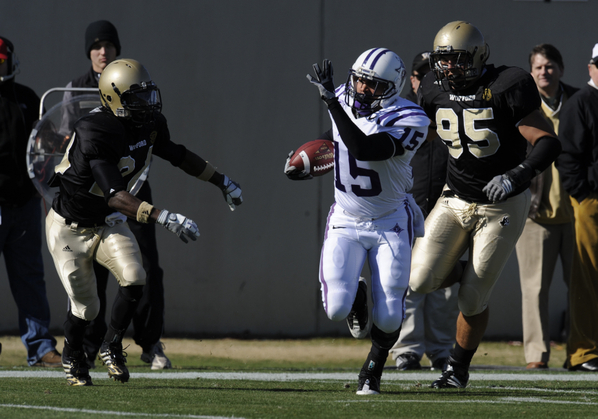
[(548, 232), (578, 167)]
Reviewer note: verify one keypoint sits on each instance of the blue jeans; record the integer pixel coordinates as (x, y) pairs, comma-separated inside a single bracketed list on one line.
[(21, 244)]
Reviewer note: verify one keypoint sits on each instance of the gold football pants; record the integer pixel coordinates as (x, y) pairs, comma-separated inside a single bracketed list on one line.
[(75, 248), (490, 231)]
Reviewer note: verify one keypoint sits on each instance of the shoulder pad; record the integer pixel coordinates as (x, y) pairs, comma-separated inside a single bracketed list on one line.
[(504, 78)]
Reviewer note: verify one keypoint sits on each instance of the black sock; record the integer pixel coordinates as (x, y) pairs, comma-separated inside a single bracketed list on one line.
[(382, 342), (74, 331), (462, 356), (125, 304)]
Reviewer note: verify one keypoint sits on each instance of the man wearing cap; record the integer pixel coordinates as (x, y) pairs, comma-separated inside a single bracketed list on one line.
[(578, 167), (430, 319), (20, 214), (102, 46)]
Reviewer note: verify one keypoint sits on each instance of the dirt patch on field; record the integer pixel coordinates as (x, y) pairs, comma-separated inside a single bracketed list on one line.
[(298, 350)]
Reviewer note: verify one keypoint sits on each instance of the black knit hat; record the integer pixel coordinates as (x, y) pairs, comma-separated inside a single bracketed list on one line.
[(421, 63), (101, 30)]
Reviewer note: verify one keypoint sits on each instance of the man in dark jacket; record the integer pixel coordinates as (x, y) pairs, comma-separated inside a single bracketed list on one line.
[(578, 167), (20, 214)]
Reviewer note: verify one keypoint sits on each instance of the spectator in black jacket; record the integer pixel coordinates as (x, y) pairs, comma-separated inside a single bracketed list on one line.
[(430, 319), (578, 167), (20, 214)]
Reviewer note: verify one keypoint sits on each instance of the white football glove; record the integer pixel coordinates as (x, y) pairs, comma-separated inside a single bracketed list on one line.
[(180, 225), (293, 173), (232, 192)]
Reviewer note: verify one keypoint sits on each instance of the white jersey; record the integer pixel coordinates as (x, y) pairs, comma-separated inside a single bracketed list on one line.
[(371, 189)]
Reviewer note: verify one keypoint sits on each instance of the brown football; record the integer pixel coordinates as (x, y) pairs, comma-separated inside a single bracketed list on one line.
[(316, 157)]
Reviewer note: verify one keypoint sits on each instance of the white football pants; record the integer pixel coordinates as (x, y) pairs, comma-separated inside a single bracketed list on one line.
[(386, 242)]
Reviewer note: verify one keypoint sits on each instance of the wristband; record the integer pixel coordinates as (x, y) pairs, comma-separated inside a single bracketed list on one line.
[(207, 172), (144, 211)]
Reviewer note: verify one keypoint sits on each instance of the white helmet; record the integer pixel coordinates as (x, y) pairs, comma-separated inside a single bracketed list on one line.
[(385, 70)]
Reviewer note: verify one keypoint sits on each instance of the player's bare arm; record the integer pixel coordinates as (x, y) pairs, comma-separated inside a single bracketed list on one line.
[(534, 126), (128, 204)]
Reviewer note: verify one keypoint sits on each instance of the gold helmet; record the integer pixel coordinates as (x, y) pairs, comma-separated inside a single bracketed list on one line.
[(127, 89), (464, 45)]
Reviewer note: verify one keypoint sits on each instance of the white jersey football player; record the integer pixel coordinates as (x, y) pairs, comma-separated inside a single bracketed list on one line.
[(375, 134)]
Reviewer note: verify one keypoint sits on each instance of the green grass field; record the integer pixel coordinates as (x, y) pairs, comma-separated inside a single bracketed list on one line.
[(314, 378)]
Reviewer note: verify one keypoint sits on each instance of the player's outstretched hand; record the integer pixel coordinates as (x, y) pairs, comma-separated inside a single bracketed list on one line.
[(180, 225), (498, 188), (293, 173), (232, 192), (323, 81)]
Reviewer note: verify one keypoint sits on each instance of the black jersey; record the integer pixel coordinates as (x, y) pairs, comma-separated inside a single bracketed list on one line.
[(102, 137), (479, 126)]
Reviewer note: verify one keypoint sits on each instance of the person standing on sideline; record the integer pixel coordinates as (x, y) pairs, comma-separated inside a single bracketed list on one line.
[(548, 233), (20, 214), (375, 134), (102, 46), (578, 167), (430, 319), (485, 115)]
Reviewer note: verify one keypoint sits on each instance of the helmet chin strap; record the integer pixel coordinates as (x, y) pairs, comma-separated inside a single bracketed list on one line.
[(362, 107)]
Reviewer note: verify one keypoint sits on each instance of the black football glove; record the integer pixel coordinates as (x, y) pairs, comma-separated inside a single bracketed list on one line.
[(293, 173), (323, 81)]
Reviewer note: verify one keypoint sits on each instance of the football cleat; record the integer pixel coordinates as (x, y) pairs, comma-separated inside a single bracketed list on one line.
[(358, 319), (113, 356), (452, 378), (156, 357), (75, 367), (368, 385), (408, 361)]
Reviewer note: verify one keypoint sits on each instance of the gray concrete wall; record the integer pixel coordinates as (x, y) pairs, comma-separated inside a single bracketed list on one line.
[(232, 76)]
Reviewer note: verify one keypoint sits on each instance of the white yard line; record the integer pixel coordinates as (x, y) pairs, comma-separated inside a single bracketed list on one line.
[(111, 412), (302, 376)]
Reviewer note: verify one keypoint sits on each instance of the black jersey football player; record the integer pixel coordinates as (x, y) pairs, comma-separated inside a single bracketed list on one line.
[(485, 115), (98, 177)]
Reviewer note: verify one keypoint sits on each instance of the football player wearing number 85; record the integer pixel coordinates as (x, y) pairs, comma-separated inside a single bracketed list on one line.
[(375, 134), (485, 115), (98, 177)]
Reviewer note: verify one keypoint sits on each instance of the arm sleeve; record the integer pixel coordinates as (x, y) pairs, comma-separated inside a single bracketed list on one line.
[(165, 148), (544, 152), (375, 147), (327, 135)]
